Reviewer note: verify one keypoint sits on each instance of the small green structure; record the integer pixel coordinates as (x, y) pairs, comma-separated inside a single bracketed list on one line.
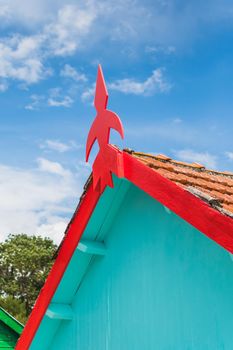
[(10, 330)]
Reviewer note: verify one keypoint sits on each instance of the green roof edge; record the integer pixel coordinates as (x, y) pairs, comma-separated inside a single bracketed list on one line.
[(10, 321)]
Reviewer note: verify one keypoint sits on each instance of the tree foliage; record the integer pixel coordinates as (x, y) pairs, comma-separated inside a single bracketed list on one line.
[(24, 265), (15, 307)]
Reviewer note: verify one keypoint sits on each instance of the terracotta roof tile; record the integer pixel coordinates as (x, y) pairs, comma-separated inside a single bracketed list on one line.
[(228, 207), (213, 186)]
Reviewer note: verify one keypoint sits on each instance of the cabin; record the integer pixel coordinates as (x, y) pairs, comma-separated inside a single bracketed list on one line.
[(146, 260), (10, 330)]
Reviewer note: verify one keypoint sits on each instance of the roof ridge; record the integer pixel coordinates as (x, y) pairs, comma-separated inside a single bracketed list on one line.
[(195, 166)]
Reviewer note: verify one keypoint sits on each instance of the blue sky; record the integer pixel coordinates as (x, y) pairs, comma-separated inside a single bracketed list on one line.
[(168, 68)]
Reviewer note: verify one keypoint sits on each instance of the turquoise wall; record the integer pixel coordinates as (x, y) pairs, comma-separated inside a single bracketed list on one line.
[(162, 285)]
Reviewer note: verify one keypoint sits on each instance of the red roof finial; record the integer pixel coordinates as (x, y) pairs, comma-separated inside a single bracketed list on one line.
[(106, 161), (101, 92)]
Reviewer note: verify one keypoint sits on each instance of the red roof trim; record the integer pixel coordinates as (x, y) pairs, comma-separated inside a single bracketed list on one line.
[(212, 223)]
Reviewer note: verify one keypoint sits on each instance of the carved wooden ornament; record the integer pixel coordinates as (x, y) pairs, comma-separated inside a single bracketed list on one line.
[(109, 158)]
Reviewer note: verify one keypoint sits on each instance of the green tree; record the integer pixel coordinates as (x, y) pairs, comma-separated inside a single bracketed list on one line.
[(24, 265)]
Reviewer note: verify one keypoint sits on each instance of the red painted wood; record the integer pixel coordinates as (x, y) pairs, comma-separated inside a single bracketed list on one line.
[(105, 162), (74, 233), (195, 211), (212, 223)]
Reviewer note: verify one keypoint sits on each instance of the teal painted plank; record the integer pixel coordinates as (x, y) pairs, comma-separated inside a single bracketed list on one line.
[(98, 225), (92, 247), (60, 312), (47, 331), (162, 284)]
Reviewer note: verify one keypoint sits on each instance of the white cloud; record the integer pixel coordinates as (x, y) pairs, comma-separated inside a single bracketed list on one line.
[(52, 167), (20, 59), (54, 227), (229, 155), (35, 103), (60, 28), (88, 94), (205, 158), (52, 98), (55, 145), (40, 201), (166, 50), (156, 83), (71, 25), (56, 99), (70, 72), (3, 87), (23, 57), (4, 11), (63, 28), (67, 102), (32, 13), (28, 14), (58, 146), (153, 84)]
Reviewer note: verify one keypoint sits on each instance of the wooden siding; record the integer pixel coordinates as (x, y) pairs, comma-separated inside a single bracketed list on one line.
[(161, 285), (8, 337)]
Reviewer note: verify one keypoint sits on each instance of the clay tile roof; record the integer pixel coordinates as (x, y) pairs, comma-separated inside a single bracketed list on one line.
[(212, 186)]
